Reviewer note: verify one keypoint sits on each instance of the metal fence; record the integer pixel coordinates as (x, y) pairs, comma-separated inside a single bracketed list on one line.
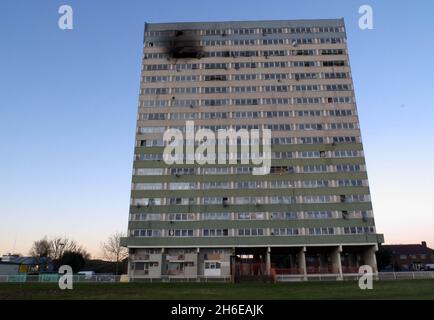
[(107, 278), (355, 276), (42, 278), (104, 278)]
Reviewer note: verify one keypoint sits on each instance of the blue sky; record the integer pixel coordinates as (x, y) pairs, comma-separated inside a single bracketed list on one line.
[(68, 102)]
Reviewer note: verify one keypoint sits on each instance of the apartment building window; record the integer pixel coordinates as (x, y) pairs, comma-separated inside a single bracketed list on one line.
[(216, 216), (251, 215), (337, 87), (274, 53), (152, 129), (302, 41), (146, 233), (148, 171), (243, 170), (335, 75), (301, 30), (248, 89), (249, 200), (321, 231), (216, 66), (213, 200), (251, 232), (359, 230), (340, 113), (284, 216), (242, 65), (147, 186), (152, 116), (146, 202), (332, 51), (182, 186), (245, 102), (303, 64), (273, 41), (275, 88), (310, 87), (285, 232), (215, 185), (347, 168), (318, 215), (216, 170), (155, 67), (314, 168), (215, 102), (244, 42), (187, 90), (180, 216), (282, 199), (310, 126), (215, 232), (180, 233), (302, 76), (281, 140), (149, 157), (244, 77), (183, 116), (335, 63), (215, 90), (350, 183), (155, 79), (244, 31), (182, 171), (275, 64), (154, 103), (307, 100), (314, 183), (317, 199), (275, 76), (346, 153), (215, 78), (146, 217), (182, 201), (344, 139)]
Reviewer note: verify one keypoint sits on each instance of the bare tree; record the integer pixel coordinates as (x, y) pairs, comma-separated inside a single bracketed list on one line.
[(112, 249), (41, 248), (61, 245), (55, 247)]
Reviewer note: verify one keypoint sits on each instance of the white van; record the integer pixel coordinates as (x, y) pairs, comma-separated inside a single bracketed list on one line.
[(87, 274), (429, 267)]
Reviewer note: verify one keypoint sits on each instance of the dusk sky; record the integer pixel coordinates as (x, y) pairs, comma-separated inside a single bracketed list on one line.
[(68, 104)]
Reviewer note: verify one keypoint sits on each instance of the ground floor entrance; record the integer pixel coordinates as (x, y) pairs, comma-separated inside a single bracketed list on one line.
[(252, 263)]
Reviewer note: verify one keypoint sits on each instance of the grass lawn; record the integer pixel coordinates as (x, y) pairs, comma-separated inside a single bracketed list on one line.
[(402, 289)]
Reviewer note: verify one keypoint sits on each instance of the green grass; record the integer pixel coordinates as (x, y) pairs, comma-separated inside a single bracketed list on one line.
[(402, 289)]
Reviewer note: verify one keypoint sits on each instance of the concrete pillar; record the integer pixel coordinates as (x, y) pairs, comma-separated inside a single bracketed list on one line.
[(198, 272), (130, 275), (370, 258), (302, 262), (268, 261), (336, 262)]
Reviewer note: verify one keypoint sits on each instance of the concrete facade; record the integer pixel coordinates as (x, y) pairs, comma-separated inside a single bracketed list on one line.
[(311, 214)]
